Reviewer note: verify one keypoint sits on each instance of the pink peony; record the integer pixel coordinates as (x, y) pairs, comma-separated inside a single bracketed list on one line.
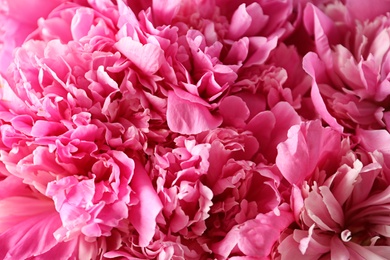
[(344, 215), (194, 129), (349, 68)]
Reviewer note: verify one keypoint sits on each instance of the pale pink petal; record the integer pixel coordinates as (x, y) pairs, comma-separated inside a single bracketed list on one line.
[(81, 23), (165, 11), (148, 58)]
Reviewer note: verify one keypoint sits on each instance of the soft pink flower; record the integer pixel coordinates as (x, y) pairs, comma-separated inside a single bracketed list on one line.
[(343, 218), (210, 189), (26, 214), (349, 70), (213, 47), (74, 128), (341, 208)]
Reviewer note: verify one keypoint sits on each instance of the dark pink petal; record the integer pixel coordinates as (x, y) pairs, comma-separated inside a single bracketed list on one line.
[(275, 125)]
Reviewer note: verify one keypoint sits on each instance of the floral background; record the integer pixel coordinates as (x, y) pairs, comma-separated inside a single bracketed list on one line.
[(194, 129)]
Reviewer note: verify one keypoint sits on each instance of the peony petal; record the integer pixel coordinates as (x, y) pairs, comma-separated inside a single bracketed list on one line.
[(186, 117), (148, 57), (143, 214), (307, 147), (81, 23), (165, 10), (31, 237), (339, 250), (255, 237), (235, 117), (363, 10), (324, 30), (240, 22), (312, 65)]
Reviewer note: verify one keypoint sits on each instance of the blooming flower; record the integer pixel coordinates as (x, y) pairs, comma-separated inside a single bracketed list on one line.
[(345, 216), (194, 129), (349, 70)]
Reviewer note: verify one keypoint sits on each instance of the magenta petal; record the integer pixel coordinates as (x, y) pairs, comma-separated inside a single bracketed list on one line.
[(143, 214), (186, 117)]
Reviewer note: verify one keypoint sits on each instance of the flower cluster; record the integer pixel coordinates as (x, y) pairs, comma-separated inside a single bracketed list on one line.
[(194, 129)]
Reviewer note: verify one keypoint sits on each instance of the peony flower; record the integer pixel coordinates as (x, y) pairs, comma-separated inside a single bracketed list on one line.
[(194, 129), (344, 216), (349, 67), (210, 191), (69, 134)]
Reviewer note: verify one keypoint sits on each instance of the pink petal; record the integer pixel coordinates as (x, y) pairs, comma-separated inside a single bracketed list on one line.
[(306, 148), (363, 10), (186, 117), (82, 22), (240, 22), (234, 117), (338, 249), (324, 30), (32, 237), (165, 10), (312, 65), (148, 58), (275, 125), (43, 128), (254, 237), (143, 214)]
